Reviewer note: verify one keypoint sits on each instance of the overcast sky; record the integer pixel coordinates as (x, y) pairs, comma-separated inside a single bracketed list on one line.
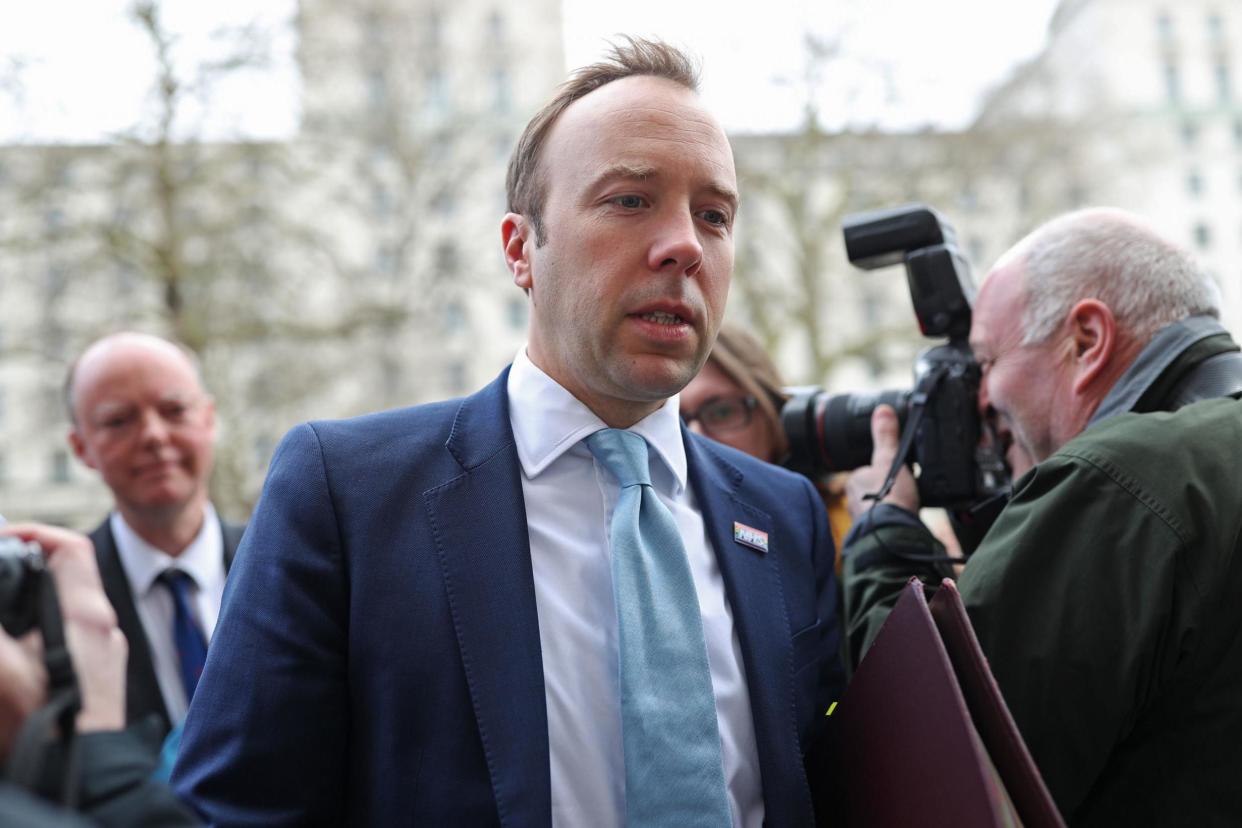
[(83, 67)]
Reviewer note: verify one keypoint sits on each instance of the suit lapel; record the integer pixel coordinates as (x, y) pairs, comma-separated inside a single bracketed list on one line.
[(752, 580), (142, 693), (230, 536), (478, 519)]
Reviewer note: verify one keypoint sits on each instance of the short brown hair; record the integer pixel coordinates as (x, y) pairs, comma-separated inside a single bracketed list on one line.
[(740, 356), (525, 184)]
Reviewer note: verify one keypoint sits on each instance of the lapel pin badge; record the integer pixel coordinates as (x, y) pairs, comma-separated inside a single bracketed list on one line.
[(750, 536)]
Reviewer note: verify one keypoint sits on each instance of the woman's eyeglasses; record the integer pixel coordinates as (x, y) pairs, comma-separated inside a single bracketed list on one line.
[(722, 414)]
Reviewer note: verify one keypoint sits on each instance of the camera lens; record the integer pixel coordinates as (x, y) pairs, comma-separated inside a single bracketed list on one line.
[(832, 432)]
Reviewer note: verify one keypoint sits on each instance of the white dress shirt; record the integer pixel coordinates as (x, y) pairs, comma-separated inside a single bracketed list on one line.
[(203, 561), (569, 502)]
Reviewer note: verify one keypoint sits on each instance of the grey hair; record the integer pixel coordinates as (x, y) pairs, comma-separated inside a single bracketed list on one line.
[(1106, 254)]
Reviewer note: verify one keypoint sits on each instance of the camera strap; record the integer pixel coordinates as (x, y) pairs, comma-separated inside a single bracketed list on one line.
[(50, 730), (918, 407)]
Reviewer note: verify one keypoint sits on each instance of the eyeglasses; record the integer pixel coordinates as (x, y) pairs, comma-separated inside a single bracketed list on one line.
[(722, 414)]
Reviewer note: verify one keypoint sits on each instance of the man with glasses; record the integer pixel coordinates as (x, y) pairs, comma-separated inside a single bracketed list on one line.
[(141, 417)]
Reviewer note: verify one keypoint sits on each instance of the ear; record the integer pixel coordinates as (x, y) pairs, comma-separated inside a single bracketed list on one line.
[(209, 414), (515, 233), (79, 448), (1093, 332)]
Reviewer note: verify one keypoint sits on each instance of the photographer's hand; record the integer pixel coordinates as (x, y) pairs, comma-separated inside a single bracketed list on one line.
[(885, 438), (96, 645), (23, 685)]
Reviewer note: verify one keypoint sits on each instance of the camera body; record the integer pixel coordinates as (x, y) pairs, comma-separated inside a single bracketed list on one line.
[(23, 573), (832, 432)]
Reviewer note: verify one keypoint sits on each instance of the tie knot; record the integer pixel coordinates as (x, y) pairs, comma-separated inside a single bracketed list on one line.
[(176, 580), (623, 453)]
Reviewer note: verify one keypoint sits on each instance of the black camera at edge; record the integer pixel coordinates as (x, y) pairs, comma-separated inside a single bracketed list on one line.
[(23, 577), (832, 432)]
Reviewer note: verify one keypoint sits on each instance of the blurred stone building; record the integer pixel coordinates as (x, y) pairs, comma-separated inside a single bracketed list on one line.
[(357, 266), (354, 267), (1133, 103)]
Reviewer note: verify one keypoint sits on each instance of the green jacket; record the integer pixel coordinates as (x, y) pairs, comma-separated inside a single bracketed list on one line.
[(1108, 599)]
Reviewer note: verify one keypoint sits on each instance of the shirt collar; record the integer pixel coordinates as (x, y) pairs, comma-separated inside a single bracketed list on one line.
[(548, 421), (1169, 343), (202, 560)]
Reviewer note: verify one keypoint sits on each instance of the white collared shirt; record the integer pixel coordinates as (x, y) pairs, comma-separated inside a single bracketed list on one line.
[(569, 502), (202, 560)]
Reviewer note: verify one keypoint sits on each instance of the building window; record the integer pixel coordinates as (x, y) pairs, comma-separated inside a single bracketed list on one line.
[(495, 28), (1164, 26), (1190, 133), (1024, 195), (1224, 81), (446, 259), (1203, 236), (974, 247), (435, 29), (502, 96), (385, 260), (1194, 183), (454, 317), (455, 377), (1172, 82), (444, 202), (377, 89), (437, 99), (1216, 26), (264, 447), (381, 200), (518, 313), (58, 471), (968, 198)]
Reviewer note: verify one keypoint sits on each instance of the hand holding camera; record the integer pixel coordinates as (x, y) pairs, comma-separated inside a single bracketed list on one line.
[(95, 644)]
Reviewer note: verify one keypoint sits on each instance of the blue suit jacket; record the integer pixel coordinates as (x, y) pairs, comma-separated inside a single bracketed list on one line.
[(377, 660)]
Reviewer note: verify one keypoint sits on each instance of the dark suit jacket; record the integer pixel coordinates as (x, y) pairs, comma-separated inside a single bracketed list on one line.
[(377, 661), (142, 694)]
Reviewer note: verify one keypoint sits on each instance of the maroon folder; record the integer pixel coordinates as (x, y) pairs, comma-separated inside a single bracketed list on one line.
[(922, 736)]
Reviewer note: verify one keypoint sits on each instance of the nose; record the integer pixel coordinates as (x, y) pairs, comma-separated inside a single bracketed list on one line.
[(154, 429), (676, 247)]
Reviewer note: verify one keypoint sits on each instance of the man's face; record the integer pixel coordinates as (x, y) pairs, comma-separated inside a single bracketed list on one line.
[(145, 424), (629, 288), (1028, 386)]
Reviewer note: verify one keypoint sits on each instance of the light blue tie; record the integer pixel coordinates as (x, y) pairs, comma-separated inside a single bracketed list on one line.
[(673, 771)]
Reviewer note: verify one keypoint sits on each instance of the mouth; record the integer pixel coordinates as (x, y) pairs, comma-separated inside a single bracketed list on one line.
[(668, 314), (662, 318), (158, 467)]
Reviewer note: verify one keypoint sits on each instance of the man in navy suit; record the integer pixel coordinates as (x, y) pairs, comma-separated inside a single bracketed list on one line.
[(420, 627)]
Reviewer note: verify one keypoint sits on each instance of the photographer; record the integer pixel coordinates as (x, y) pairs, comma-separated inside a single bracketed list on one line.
[(1105, 594), (112, 782)]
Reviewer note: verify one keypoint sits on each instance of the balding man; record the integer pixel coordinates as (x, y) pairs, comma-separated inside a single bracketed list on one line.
[(1106, 595), (142, 419)]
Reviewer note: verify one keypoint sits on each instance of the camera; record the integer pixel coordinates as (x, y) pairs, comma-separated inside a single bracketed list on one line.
[(23, 577), (941, 425)]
